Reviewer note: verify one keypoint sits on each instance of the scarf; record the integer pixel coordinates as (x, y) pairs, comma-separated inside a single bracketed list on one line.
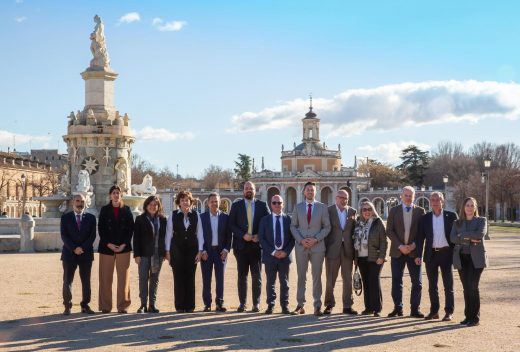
[(156, 260), (361, 234)]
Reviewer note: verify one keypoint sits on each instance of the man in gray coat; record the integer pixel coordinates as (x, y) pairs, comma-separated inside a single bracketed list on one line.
[(310, 224), (340, 252)]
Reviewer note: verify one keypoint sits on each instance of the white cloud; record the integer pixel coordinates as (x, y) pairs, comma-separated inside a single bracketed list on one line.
[(173, 26), (389, 152), (7, 138), (20, 19), (393, 106), (130, 17), (161, 134)]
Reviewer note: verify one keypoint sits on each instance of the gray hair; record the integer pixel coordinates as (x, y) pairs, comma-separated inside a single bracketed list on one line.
[(369, 203), (409, 188), (78, 195), (438, 194), (214, 194)]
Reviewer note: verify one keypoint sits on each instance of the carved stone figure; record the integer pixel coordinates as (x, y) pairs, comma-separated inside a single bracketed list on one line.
[(98, 46), (145, 188), (83, 182), (120, 170), (64, 186), (107, 155)]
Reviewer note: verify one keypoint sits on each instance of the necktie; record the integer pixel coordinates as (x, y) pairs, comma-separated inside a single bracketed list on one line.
[(408, 209), (278, 233), (309, 212), (249, 209), (78, 221)]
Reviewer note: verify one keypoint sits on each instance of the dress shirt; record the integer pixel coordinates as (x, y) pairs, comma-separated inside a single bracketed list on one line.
[(274, 232), (169, 231), (214, 227), (342, 215), (439, 237)]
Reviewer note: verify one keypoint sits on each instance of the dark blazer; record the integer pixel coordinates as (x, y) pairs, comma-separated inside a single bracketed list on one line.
[(377, 242), (462, 234), (224, 231), (266, 236), (73, 237), (426, 233), (238, 221), (338, 237), (395, 228), (115, 231), (143, 237)]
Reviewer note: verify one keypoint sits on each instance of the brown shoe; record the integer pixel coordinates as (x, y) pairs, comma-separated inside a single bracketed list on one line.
[(448, 317), (66, 311), (432, 316), (328, 310), (318, 312), (298, 310)]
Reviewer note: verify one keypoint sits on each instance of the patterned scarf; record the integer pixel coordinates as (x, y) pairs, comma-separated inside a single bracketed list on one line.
[(156, 261), (361, 233)]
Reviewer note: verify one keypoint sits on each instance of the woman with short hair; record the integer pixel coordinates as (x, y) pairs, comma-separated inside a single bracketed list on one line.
[(149, 251), (370, 244), (115, 227), (184, 243), (469, 256)]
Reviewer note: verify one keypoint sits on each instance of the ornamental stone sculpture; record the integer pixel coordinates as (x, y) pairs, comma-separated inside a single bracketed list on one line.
[(145, 188), (98, 47)]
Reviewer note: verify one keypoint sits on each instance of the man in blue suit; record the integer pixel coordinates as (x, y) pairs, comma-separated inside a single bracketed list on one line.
[(277, 244), (217, 244), (434, 237), (244, 219), (78, 232)]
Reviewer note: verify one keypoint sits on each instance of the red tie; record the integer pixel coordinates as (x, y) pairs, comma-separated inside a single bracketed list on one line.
[(309, 211)]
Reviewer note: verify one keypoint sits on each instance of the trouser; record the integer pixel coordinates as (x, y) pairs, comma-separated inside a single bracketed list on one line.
[(69, 269), (371, 277), (280, 267), (332, 267), (398, 265), (213, 262), (249, 259), (470, 277), (121, 261), (443, 260), (148, 281), (184, 267), (303, 257)]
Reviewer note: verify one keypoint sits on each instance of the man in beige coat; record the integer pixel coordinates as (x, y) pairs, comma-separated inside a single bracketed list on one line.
[(310, 225), (340, 252)]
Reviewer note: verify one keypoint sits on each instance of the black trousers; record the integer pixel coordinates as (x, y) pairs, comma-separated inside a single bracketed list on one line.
[(69, 269), (470, 277), (249, 259), (371, 277), (184, 267), (442, 260)]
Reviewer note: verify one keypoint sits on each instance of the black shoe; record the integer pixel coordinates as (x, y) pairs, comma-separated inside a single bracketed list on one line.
[(142, 309), (432, 316), (180, 311), (318, 312), (448, 317), (86, 309), (367, 312), (465, 321), (153, 309), (241, 308), (122, 311), (396, 312), (104, 311), (285, 310), (189, 311), (328, 310), (417, 314), (66, 311), (269, 309), (349, 311), (473, 323), (377, 314), (221, 308), (207, 308), (255, 309)]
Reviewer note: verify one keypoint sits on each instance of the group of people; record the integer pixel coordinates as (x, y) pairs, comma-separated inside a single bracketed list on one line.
[(338, 235)]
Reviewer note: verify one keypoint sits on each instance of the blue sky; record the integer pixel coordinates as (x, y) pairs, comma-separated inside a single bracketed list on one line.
[(234, 76)]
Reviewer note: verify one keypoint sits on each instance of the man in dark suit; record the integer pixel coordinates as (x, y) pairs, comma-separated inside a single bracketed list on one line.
[(244, 219), (340, 252), (434, 230), (78, 232), (402, 227), (217, 244), (277, 244)]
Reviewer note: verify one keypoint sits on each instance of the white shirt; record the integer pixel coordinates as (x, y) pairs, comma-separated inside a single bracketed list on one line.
[(169, 231), (213, 219), (342, 215), (274, 232), (439, 237), (307, 206)]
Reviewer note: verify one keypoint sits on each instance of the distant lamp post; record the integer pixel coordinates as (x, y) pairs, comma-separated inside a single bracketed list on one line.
[(24, 187), (445, 181), (487, 166)]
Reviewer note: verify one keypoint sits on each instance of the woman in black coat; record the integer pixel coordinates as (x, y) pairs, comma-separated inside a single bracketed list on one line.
[(115, 227), (149, 252)]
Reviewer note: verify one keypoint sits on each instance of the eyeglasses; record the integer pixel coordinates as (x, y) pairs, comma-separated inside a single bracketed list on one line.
[(276, 203), (366, 209)]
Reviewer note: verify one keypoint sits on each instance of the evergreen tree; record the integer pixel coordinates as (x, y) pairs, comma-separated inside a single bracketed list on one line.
[(243, 168), (414, 164)]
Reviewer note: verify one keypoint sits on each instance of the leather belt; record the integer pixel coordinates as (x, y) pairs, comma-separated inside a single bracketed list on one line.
[(440, 249), (214, 248)]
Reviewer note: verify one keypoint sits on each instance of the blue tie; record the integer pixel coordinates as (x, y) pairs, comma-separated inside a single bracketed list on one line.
[(408, 209), (278, 233)]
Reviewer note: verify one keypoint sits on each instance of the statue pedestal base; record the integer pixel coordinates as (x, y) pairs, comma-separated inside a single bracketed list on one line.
[(135, 203), (53, 205)]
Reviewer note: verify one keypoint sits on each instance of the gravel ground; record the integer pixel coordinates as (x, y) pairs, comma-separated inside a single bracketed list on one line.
[(31, 319)]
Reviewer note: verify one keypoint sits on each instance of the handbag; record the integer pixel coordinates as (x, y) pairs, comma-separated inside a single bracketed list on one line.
[(357, 283)]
